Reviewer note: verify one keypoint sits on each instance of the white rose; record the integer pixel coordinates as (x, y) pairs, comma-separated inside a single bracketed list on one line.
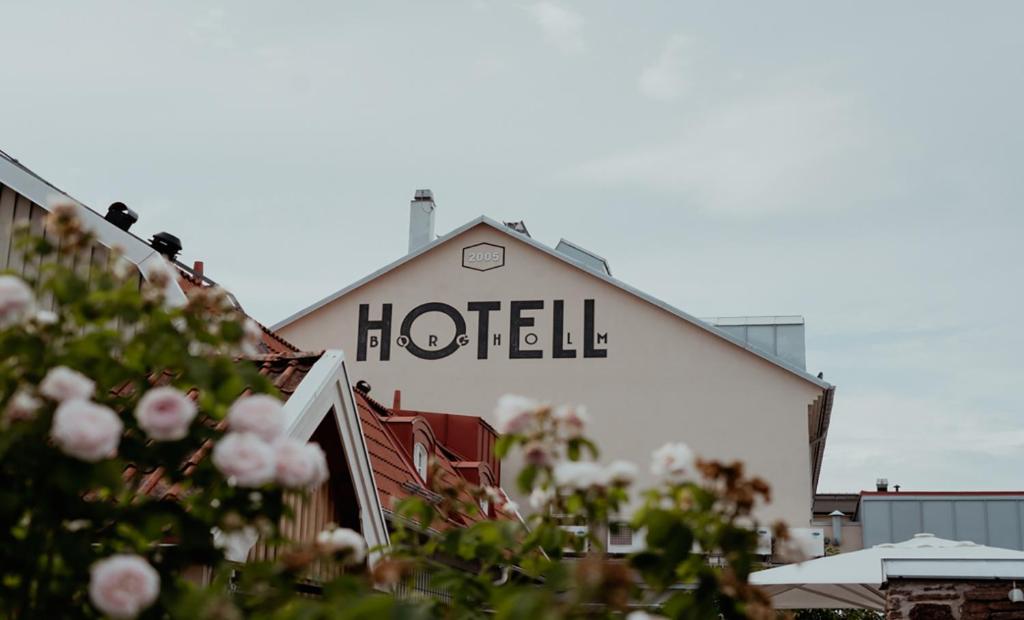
[(300, 465), (122, 586), (61, 383), (675, 462), (540, 498), (165, 414), (573, 420), (16, 300), (236, 543), (86, 431), (343, 541), (260, 414), (643, 615), (245, 459), (22, 406), (513, 413), (46, 317), (621, 472), (579, 474)]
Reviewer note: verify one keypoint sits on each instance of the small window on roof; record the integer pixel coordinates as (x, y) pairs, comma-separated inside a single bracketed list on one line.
[(419, 460)]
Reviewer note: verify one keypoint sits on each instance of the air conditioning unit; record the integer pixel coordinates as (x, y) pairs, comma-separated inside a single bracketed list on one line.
[(764, 541), (624, 539), (577, 531), (809, 540)]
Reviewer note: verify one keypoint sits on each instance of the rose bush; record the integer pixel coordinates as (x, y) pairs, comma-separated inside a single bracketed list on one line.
[(104, 385)]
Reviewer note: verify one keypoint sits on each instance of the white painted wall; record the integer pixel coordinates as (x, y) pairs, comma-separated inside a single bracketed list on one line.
[(663, 379)]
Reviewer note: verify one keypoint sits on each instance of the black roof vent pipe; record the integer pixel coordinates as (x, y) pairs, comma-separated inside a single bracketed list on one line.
[(121, 216), (167, 244)]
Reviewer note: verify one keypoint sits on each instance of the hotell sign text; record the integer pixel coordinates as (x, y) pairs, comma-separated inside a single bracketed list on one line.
[(523, 342)]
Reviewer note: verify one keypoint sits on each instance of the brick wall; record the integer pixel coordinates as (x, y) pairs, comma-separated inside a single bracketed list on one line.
[(950, 600)]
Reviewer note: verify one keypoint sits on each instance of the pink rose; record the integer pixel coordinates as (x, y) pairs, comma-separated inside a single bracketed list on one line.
[(300, 465), (86, 431), (260, 414), (537, 453), (22, 407), (165, 414), (16, 300), (513, 413), (61, 383), (573, 420), (245, 459), (122, 586)]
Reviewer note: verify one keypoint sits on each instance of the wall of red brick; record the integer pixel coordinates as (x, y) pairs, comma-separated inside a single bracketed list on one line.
[(950, 600)]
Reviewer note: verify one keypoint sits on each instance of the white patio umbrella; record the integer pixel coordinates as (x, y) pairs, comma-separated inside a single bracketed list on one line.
[(854, 579)]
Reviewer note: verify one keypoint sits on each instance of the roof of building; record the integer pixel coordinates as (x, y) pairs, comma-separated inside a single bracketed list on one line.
[(394, 475), (393, 467), (271, 342), (827, 503), (32, 186), (505, 229), (902, 493), (285, 371)]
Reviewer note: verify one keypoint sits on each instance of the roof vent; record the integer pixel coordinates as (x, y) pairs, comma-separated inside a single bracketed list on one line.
[(121, 216), (363, 386), (583, 256), (519, 227), (167, 244), (882, 485)]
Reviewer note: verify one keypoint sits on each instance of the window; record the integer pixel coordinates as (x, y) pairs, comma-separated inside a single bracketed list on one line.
[(620, 535), (419, 460)]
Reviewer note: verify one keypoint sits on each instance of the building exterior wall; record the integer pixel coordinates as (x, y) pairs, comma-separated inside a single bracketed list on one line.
[(648, 377), (17, 212), (908, 599), (993, 520)]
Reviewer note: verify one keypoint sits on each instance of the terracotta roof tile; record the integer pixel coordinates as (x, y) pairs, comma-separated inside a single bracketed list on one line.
[(391, 461)]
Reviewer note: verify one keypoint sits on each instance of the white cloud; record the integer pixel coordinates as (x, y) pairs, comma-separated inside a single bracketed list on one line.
[(787, 152), (562, 27), (666, 78)]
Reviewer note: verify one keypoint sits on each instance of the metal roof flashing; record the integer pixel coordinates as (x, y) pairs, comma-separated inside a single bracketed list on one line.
[(824, 385)]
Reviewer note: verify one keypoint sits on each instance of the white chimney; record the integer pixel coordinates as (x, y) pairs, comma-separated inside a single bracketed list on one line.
[(421, 219)]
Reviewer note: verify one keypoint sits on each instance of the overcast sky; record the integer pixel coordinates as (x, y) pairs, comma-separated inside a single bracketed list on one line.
[(858, 164)]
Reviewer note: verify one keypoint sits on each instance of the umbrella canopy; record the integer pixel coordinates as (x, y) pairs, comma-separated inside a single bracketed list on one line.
[(854, 580)]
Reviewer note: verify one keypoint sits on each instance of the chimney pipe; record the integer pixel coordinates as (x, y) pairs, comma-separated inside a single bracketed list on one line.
[(882, 485), (421, 219), (837, 527)]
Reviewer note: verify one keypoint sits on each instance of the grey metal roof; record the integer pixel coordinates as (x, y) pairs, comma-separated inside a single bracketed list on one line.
[(568, 261)]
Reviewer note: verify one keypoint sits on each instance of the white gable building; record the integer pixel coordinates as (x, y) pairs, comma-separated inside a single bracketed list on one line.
[(486, 310)]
